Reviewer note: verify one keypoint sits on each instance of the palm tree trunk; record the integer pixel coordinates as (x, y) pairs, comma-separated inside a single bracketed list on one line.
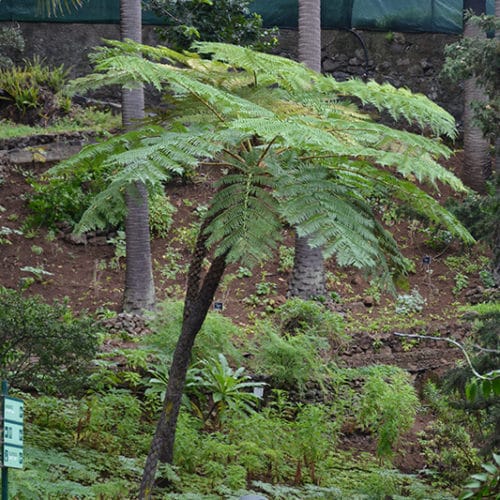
[(139, 286), (199, 296), (496, 236), (308, 276), (477, 158), (310, 34)]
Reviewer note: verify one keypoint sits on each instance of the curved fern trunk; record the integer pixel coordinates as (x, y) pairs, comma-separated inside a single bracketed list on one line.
[(199, 296), (477, 158), (139, 286), (308, 276)]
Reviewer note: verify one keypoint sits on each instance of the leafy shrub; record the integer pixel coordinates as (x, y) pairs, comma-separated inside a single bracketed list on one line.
[(33, 92), (479, 214), (227, 389), (485, 484), (11, 41), (309, 317), (214, 337), (410, 303), (44, 346), (193, 20), (446, 443), (290, 360), (314, 434), (460, 382), (437, 239), (65, 197), (111, 422), (161, 212), (387, 405)]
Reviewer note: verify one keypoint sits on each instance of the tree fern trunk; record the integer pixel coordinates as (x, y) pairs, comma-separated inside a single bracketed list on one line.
[(139, 286), (477, 158), (199, 296), (308, 276)]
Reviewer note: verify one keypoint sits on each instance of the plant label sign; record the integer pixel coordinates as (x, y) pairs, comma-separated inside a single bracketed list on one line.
[(12, 414)]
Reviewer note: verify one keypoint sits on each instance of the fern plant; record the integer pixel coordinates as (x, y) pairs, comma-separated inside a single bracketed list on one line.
[(283, 132), (286, 136)]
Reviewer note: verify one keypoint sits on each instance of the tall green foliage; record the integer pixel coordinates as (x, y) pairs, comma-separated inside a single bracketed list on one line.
[(191, 20), (282, 132), (44, 347)]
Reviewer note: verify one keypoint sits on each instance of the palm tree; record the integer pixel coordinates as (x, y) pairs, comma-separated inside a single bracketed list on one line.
[(139, 292), (308, 275), (496, 236), (477, 158)]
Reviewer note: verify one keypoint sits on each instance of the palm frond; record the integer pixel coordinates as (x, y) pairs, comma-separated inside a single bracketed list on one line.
[(55, 7)]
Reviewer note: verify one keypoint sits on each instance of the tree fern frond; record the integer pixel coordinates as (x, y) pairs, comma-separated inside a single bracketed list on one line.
[(419, 201), (244, 215), (399, 103), (267, 69), (328, 214)]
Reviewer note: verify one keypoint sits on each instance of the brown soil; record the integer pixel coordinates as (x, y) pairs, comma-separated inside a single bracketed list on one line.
[(83, 273)]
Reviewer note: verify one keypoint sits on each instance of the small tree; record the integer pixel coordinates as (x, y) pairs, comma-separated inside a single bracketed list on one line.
[(188, 21), (285, 135)]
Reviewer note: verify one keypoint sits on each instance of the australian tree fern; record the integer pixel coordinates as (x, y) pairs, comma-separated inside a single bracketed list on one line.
[(296, 150)]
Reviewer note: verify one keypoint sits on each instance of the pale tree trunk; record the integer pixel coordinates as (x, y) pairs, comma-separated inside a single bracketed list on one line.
[(139, 286), (310, 34), (308, 276), (496, 236), (477, 158)]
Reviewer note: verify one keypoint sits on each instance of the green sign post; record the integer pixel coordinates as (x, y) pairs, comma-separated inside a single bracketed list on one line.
[(11, 434)]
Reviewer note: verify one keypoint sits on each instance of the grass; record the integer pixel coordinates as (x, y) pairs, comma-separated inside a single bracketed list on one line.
[(84, 119)]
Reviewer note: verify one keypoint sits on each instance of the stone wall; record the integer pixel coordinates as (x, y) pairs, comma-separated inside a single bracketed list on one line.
[(403, 59), (410, 60)]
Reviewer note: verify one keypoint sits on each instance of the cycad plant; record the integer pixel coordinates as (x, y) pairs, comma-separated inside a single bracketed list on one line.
[(296, 151)]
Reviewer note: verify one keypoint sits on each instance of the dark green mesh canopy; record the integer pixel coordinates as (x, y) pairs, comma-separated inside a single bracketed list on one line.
[(435, 16)]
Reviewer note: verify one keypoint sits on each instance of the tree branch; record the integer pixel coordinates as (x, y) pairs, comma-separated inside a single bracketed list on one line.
[(455, 343)]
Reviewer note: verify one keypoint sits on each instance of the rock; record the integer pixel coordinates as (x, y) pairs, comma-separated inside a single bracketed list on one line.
[(356, 280), (280, 300), (357, 307), (426, 65), (75, 239), (98, 241), (415, 70), (369, 301), (399, 38), (341, 76)]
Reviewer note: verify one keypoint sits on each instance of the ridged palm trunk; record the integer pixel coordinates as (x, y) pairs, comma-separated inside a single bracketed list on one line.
[(477, 158), (496, 236), (139, 286), (199, 295), (308, 276)]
